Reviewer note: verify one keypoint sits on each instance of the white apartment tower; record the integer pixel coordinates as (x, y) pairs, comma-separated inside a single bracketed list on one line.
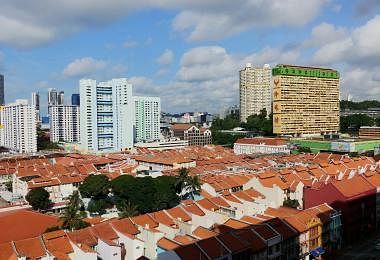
[(64, 123), (18, 127), (255, 90), (106, 115), (147, 118)]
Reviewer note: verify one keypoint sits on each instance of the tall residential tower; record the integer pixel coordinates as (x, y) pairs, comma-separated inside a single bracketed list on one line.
[(64, 123), (255, 91), (1, 90), (18, 131), (147, 112), (106, 115), (305, 100)]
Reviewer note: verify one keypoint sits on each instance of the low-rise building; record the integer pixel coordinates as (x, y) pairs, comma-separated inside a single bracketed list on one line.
[(192, 134), (261, 146), (369, 132)]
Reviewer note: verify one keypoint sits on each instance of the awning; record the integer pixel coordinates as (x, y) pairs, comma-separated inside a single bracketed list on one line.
[(317, 252)]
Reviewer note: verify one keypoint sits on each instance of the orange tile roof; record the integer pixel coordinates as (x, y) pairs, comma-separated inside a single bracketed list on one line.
[(57, 241), (251, 220), (265, 141), (125, 226), (167, 244), (184, 239), (104, 231), (178, 213), (203, 233), (144, 220), (30, 247), (212, 247), (354, 186), (6, 251), (83, 236), (21, 224), (235, 224), (163, 218)]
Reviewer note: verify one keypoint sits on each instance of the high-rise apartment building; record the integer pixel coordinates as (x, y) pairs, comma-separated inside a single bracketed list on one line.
[(64, 123), (35, 101), (52, 97), (255, 91), (305, 100), (147, 112), (75, 100), (106, 115), (18, 127), (60, 98), (2, 90)]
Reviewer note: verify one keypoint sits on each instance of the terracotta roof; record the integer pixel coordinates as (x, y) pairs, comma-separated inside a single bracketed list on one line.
[(190, 251), (235, 224), (30, 247), (167, 244), (21, 224), (203, 233), (57, 241), (353, 187), (251, 220), (6, 251), (125, 226), (163, 218), (179, 214), (282, 228), (181, 127), (144, 220), (184, 239), (83, 236), (264, 141), (212, 247)]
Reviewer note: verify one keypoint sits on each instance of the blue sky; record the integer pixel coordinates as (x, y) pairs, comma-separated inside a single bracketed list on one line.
[(186, 52)]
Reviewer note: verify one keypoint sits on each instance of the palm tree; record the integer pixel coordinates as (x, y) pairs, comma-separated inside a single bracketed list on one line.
[(194, 185), (72, 217), (182, 180), (128, 210)]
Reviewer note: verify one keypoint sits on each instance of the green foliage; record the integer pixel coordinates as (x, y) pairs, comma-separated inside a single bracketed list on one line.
[(51, 229), (127, 209), (228, 123), (186, 184), (225, 139), (145, 194), (9, 185), (354, 122), (72, 216), (43, 141), (38, 198), (97, 206), (95, 186), (291, 203), (260, 123), (304, 149), (363, 105)]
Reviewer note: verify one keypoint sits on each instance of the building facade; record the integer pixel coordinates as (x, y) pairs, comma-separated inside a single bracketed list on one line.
[(35, 101), (192, 134), (261, 146), (255, 91), (147, 118), (2, 90), (52, 97), (106, 115), (305, 100), (18, 127), (369, 132), (64, 123), (75, 100)]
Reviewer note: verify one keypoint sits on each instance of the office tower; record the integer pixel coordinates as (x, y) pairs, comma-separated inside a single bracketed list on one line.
[(1, 90), (18, 131), (52, 97), (147, 118), (305, 100), (255, 91), (60, 98), (64, 123), (75, 100), (106, 115), (35, 101)]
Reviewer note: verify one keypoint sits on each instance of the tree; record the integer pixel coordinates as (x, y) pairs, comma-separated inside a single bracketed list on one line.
[(304, 149), (97, 206), (166, 196), (38, 198), (95, 186), (128, 210), (291, 203), (72, 216), (194, 185), (187, 184), (354, 122)]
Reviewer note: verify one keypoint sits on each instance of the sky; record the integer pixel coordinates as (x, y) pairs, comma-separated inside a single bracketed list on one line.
[(188, 52)]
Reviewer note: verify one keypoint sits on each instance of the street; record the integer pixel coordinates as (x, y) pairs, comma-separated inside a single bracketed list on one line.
[(362, 251)]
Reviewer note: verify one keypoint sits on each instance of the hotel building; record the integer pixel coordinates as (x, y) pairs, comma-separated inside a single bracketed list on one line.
[(305, 100)]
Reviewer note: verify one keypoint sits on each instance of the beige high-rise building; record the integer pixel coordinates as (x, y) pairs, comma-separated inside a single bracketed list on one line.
[(255, 90), (305, 100)]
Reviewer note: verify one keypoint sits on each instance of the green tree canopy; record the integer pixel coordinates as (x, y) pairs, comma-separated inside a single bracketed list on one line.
[(97, 206), (354, 122), (72, 216), (95, 186), (38, 198), (362, 105)]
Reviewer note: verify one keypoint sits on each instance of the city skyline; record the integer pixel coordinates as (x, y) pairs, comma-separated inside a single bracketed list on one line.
[(179, 51)]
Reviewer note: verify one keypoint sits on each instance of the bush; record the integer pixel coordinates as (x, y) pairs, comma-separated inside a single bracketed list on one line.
[(38, 198)]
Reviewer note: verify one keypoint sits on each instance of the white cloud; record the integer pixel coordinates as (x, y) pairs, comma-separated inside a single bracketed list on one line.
[(359, 47), (23, 24), (130, 44), (83, 67), (166, 58), (325, 33)]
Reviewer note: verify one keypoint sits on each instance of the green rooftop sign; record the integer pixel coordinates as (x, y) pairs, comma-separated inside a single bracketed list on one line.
[(305, 72)]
